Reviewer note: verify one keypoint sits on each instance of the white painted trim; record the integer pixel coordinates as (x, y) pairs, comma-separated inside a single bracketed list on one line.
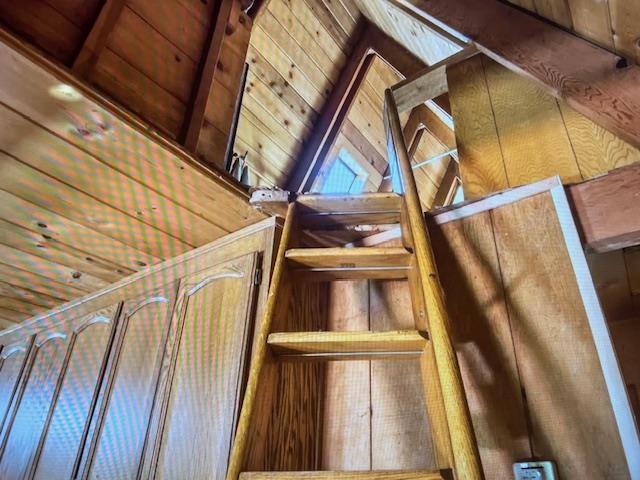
[(496, 200), (620, 403)]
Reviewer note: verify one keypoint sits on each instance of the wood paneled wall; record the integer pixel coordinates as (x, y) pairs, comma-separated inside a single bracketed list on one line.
[(86, 197), (612, 24), (150, 57), (510, 132), (525, 344)]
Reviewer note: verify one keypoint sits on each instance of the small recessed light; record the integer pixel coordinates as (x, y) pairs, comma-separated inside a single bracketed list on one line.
[(65, 92)]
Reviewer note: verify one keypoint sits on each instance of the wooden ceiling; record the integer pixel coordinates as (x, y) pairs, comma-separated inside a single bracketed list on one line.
[(296, 52), (86, 198), (612, 24)]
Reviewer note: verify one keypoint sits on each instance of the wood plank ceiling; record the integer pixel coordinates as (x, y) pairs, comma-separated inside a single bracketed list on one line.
[(296, 52), (612, 24), (89, 196)]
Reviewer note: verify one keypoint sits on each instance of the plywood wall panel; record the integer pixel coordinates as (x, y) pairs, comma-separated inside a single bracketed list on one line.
[(529, 125), (558, 364), (482, 167), (470, 273)]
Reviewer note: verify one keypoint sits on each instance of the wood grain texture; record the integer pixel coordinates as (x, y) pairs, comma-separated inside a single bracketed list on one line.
[(529, 126), (559, 329), (497, 29), (131, 388), (465, 449), (399, 422), (605, 209), (338, 345), (482, 168), (470, 272), (372, 475), (346, 433), (94, 230), (220, 300)]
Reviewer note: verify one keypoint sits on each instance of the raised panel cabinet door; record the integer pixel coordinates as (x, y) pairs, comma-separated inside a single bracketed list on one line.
[(66, 433), (214, 310), (12, 362), (34, 403), (119, 445)]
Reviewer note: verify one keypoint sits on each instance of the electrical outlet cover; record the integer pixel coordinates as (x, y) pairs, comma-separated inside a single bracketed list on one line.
[(539, 470)]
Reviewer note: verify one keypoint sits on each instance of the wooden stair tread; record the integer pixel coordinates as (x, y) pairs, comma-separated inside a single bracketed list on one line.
[(348, 345), (354, 475), (349, 263), (338, 211)]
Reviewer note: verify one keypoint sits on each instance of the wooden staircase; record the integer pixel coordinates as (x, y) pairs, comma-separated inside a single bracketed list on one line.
[(456, 451)]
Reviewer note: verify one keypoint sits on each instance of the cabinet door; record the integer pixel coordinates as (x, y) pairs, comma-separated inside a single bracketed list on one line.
[(12, 362), (67, 429), (34, 402), (214, 313), (119, 445)]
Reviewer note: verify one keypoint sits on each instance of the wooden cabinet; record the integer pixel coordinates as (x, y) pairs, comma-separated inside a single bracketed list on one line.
[(204, 394), (141, 380)]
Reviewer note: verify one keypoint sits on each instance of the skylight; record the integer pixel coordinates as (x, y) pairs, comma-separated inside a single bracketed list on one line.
[(344, 176)]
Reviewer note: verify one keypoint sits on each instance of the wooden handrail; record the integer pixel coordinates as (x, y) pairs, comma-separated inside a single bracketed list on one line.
[(466, 457)]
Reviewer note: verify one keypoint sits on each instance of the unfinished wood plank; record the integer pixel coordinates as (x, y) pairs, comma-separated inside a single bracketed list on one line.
[(470, 273), (372, 475), (546, 310), (320, 258), (612, 281), (591, 19), (606, 209), (348, 345), (481, 161)]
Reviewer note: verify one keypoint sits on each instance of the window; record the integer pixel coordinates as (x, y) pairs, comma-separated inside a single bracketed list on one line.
[(345, 175)]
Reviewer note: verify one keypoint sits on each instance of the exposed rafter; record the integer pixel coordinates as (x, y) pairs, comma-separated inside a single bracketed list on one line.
[(97, 37), (592, 80)]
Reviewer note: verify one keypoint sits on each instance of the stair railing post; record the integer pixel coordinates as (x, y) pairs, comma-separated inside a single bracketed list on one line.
[(466, 458)]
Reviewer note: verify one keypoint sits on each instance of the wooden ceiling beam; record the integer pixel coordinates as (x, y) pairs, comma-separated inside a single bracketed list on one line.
[(334, 112), (395, 54), (592, 80), (202, 91), (97, 37)]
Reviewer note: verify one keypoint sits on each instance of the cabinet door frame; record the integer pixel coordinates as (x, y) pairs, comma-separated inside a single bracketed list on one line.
[(112, 359), (189, 286)]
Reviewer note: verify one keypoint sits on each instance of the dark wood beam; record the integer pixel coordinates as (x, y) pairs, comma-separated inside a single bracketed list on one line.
[(97, 37), (194, 118), (594, 81), (334, 112), (607, 209)]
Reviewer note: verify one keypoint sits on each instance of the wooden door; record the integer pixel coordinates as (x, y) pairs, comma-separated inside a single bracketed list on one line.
[(66, 432), (203, 397), (123, 419)]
